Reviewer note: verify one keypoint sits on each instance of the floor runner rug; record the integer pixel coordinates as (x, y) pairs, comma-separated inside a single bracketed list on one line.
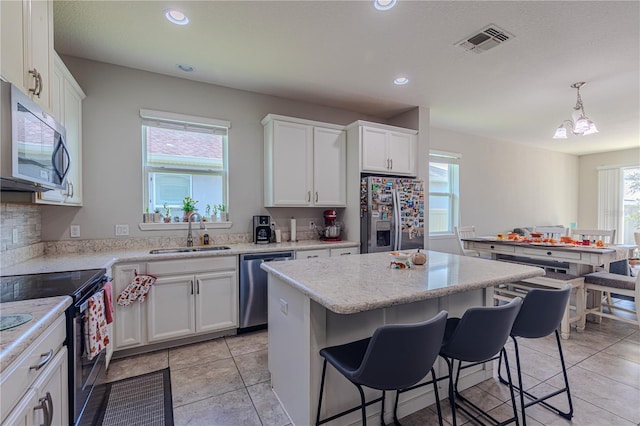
[(137, 401)]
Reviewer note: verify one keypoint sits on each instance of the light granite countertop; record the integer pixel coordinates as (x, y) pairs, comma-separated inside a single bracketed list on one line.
[(96, 260), (352, 284), (15, 340)]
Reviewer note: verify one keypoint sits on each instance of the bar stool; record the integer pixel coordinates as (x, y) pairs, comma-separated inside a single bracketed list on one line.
[(476, 338), (395, 357), (540, 315)]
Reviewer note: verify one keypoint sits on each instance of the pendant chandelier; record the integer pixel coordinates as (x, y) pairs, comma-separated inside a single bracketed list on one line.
[(579, 123)]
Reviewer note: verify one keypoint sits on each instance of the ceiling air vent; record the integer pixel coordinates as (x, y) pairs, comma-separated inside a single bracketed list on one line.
[(485, 39)]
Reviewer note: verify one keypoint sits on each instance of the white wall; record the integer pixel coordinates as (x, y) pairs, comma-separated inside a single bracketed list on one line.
[(504, 185), (112, 150), (588, 173)]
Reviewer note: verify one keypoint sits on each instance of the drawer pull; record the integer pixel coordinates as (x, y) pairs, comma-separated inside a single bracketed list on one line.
[(309, 257), (492, 247), (344, 254), (548, 253), (47, 357)]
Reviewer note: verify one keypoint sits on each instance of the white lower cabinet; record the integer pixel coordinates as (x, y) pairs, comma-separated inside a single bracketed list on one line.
[(183, 305), (309, 254), (344, 251), (130, 322), (51, 392), (189, 297), (35, 386)]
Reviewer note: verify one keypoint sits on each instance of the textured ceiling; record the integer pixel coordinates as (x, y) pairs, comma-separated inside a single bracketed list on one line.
[(345, 54)]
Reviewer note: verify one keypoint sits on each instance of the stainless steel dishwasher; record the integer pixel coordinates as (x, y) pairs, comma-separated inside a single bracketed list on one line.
[(253, 288)]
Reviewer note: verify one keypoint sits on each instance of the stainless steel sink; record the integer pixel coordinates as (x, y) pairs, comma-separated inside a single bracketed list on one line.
[(188, 249)]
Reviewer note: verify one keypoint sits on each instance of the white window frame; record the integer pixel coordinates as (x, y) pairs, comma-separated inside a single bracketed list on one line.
[(451, 158), (189, 123)]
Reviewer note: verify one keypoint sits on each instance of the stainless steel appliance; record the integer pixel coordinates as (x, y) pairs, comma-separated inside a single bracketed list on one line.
[(253, 288), (261, 229), (33, 153), (391, 214), (85, 377)]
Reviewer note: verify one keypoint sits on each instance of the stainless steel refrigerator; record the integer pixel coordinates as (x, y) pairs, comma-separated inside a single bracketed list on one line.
[(391, 214)]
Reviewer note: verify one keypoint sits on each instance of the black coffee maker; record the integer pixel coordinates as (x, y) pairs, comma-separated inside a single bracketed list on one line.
[(262, 229)]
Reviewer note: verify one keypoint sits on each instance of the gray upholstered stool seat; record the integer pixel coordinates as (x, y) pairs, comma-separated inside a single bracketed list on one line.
[(608, 279), (604, 282)]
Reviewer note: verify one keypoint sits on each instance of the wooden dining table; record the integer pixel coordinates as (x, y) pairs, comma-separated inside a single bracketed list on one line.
[(574, 259)]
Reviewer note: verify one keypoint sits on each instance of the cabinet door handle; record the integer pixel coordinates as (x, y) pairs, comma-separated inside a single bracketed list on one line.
[(345, 254), (387, 163), (191, 282), (197, 286), (391, 162), (308, 196), (44, 406), (47, 357), (39, 85), (50, 401), (309, 257), (35, 90), (316, 196)]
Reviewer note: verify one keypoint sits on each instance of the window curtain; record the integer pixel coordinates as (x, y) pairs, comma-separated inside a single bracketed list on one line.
[(610, 200)]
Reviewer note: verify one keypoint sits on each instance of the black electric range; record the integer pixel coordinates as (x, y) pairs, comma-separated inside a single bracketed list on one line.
[(86, 377), (77, 284)]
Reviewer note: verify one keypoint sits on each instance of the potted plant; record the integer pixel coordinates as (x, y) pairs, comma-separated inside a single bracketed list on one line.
[(214, 213), (224, 216), (157, 216), (167, 213), (188, 207), (147, 217)]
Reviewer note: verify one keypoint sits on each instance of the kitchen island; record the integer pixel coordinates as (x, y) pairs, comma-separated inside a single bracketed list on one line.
[(324, 302)]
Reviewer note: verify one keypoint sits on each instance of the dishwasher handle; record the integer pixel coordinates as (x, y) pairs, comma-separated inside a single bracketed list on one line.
[(268, 257)]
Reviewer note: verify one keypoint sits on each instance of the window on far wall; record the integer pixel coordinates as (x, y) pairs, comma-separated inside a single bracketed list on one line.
[(183, 156), (444, 192), (619, 201)]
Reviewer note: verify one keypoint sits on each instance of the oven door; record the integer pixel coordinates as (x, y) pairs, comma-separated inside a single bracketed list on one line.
[(87, 374)]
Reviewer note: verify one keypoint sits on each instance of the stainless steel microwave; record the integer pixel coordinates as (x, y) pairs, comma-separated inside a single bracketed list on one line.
[(33, 153)]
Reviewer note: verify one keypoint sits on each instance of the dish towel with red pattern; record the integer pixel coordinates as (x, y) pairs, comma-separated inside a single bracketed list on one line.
[(137, 290), (108, 301), (97, 336)]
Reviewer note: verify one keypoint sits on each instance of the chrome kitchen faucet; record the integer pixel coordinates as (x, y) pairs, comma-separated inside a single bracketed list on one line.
[(189, 235)]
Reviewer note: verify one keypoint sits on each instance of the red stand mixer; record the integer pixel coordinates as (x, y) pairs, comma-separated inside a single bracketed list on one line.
[(332, 227)]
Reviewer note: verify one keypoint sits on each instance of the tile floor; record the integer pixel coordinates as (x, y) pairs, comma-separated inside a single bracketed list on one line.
[(226, 381)]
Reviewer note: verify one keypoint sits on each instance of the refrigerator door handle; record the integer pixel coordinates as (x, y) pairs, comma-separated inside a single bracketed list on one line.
[(396, 219), (398, 223)]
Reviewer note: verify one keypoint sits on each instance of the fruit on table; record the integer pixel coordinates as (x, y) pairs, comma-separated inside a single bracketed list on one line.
[(599, 243), (419, 258)]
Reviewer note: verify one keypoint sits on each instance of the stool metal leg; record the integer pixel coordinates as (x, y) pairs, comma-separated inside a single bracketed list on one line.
[(541, 400), (324, 370), (363, 405)]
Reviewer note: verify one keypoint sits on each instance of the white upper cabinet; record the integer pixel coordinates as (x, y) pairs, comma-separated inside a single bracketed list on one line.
[(304, 163), (386, 149), (26, 37), (67, 97)]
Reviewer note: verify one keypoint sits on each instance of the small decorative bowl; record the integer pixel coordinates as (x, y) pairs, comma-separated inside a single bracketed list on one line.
[(400, 257)]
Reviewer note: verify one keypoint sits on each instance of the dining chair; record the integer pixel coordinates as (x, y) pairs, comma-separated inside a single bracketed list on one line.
[(466, 232), (554, 232), (607, 236), (396, 357)]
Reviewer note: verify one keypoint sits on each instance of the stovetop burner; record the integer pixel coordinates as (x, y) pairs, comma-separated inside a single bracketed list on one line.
[(35, 286)]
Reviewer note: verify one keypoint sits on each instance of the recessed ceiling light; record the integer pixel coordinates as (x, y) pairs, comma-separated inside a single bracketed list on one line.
[(401, 81), (185, 68), (384, 4), (176, 16)]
